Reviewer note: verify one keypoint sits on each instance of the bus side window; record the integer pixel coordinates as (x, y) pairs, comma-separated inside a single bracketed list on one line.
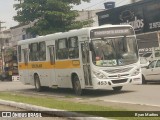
[(51, 54), (73, 47), (62, 49), (25, 53), (34, 52), (19, 54), (42, 51)]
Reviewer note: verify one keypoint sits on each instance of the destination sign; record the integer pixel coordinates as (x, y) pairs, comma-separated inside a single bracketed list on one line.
[(111, 32)]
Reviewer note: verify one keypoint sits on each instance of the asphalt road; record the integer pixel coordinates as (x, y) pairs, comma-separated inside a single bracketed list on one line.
[(132, 94)]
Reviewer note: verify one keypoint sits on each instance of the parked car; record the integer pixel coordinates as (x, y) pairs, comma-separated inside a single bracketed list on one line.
[(143, 62), (149, 56), (151, 73)]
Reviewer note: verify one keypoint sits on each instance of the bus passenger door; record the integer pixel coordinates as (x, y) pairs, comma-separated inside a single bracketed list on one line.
[(53, 81), (86, 63), (24, 72)]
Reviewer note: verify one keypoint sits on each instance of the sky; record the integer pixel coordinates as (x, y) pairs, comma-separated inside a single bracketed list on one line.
[(7, 11)]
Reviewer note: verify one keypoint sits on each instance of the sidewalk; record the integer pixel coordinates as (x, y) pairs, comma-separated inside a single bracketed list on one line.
[(4, 108), (22, 107)]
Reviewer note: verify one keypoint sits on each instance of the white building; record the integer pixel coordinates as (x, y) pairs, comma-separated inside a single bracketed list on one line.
[(5, 38)]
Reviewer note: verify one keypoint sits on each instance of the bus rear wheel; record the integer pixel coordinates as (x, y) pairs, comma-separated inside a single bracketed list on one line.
[(117, 88), (77, 86), (37, 83)]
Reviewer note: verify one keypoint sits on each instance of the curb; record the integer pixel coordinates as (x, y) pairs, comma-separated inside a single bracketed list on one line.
[(57, 112)]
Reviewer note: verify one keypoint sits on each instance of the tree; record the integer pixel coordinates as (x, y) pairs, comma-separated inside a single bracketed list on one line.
[(49, 16)]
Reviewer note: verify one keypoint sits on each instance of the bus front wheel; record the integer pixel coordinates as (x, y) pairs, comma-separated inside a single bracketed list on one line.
[(117, 88), (77, 86), (37, 83)]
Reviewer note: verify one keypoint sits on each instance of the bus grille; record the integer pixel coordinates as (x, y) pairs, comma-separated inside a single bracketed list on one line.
[(119, 81), (118, 70)]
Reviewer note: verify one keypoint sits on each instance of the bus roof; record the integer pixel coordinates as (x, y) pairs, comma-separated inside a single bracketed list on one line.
[(60, 35)]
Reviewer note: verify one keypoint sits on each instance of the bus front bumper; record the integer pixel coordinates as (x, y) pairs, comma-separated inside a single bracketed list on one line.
[(109, 83)]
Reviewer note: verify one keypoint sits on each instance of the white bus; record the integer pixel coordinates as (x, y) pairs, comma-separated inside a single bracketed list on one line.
[(89, 58)]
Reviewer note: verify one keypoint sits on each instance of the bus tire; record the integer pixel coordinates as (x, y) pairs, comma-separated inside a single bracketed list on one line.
[(143, 80), (117, 88), (37, 83), (77, 86)]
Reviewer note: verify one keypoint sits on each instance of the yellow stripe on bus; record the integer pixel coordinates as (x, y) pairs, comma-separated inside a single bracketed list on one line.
[(47, 65)]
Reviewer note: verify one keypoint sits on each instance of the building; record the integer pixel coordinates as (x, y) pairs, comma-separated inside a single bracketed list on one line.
[(89, 15), (5, 38), (8, 56), (144, 16), (19, 33)]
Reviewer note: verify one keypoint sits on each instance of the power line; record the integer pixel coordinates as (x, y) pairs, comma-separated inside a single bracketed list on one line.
[(117, 4), (120, 2)]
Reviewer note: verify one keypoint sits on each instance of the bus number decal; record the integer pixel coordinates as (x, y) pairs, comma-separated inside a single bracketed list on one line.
[(36, 65), (75, 62), (102, 83)]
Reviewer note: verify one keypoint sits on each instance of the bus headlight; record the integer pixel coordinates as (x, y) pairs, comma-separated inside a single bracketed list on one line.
[(136, 72), (99, 75)]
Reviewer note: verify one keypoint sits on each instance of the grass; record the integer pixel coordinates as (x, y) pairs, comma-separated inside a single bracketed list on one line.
[(51, 102), (57, 104)]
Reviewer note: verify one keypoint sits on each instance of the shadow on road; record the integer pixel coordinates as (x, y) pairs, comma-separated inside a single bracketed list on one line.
[(86, 93), (153, 83), (100, 93)]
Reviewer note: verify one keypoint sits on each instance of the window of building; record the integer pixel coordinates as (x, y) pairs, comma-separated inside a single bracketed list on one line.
[(42, 51), (73, 47), (23, 37), (34, 54), (62, 49)]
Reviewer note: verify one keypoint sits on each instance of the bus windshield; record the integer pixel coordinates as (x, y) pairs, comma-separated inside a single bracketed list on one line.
[(115, 51)]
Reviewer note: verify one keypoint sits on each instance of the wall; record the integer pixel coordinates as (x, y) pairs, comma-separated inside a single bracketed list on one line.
[(89, 15), (19, 33)]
